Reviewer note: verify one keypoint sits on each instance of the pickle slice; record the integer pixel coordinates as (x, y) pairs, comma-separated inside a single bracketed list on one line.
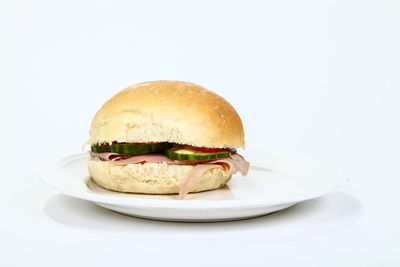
[(179, 153), (100, 148), (136, 149)]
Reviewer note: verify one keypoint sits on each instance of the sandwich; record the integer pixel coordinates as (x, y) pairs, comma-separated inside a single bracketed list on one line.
[(165, 137)]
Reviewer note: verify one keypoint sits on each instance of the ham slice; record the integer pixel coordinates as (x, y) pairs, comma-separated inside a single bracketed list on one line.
[(154, 158), (232, 165), (192, 176), (241, 164), (105, 155), (118, 159)]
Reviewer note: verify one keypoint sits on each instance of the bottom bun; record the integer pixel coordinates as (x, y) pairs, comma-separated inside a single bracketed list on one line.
[(152, 178)]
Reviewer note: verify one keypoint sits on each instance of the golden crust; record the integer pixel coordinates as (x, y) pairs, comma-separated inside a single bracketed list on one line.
[(168, 111), (152, 178)]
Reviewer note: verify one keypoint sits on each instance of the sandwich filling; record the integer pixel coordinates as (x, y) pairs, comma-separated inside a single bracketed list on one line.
[(202, 159)]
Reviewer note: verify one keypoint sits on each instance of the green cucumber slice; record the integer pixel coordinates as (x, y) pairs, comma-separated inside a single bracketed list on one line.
[(136, 149), (179, 153), (100, 148)]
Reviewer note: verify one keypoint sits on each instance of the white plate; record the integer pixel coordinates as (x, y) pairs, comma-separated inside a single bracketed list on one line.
[(276, 180)]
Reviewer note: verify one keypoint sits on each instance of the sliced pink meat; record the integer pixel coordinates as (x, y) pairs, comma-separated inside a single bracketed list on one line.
[(241, 164), (119, 160), (144, 158), (192, 176), (105, 155), (233, 164)]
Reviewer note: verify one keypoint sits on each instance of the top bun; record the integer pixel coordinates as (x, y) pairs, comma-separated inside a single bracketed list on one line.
[(168, 111)]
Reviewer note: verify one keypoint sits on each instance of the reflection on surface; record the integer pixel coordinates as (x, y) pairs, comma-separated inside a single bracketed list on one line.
[(326, 214)]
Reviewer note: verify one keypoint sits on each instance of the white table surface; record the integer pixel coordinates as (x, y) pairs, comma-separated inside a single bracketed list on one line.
[(318, 78)]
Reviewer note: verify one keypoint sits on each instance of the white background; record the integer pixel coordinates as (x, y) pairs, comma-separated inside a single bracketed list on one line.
[(315, 77)]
